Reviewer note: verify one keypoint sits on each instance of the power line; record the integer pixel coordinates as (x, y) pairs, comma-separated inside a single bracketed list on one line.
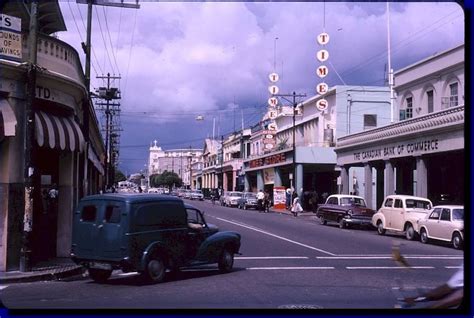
[(130, 51), (110, 40), (104, 41), (93, 51)]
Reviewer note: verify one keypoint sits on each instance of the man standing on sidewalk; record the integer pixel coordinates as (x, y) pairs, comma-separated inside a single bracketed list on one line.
[(260, 198)]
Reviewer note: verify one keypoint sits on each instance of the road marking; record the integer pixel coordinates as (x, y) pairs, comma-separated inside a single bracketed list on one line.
[(389, 257), (453, 267), (286, 268), (273, 257), (3, 287), (277, 236), (389, 267)]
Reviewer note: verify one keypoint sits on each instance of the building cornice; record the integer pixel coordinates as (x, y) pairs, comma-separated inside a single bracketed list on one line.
[(450, 118)]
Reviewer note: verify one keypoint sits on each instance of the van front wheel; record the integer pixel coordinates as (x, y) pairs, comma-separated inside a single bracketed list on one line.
[(99, 275), (226, 261)]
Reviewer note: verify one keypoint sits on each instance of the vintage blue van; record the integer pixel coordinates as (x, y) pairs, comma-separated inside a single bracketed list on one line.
[(146, 233)]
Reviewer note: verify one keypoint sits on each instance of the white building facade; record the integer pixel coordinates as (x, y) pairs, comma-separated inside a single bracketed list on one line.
[(422, 153)]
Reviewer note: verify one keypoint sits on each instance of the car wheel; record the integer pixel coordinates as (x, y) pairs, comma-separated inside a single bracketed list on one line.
[(410, 233), (457, 241), (154, 269), (380, 229), (226, 261), (342, 224), (322, 221), (99, 275), (423, 236)]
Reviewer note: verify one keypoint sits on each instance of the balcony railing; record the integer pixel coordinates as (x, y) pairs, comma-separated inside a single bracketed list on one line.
[(56, 56)]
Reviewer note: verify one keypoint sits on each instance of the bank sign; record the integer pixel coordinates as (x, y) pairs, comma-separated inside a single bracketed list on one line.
[(10, 37)]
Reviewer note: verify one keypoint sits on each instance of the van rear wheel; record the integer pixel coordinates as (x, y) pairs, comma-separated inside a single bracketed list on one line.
[(154, 269), (99, 275)]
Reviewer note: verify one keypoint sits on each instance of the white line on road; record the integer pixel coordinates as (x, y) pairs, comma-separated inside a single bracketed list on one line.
[(277, 236), (286, 268), (3, 287), (273, 257), (453, 267), (389, 267), (389, 257)]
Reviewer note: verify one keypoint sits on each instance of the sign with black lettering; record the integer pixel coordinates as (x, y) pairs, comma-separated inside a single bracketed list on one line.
[(10, 37), (410, 148)]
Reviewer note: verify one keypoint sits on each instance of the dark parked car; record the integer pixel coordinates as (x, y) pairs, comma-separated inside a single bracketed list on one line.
[(146, 233), (345, 210), (248, 200)]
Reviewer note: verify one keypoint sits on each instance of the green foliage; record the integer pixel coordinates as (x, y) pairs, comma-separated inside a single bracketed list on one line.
[(166, 179), (119, 176)]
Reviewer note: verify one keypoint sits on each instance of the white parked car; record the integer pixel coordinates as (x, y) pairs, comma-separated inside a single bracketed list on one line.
[(232, 198), (400, 213), (196, 195), (444, 223)]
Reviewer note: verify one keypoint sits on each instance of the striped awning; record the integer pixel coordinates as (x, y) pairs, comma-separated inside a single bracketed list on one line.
[(56, 132), (7, 119)]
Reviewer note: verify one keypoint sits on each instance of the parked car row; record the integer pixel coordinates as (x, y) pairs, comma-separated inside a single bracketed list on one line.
[(415, 217)]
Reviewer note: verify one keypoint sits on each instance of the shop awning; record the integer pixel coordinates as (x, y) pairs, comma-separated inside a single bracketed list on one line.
[(57, 132), (7, 119), (95, 161)]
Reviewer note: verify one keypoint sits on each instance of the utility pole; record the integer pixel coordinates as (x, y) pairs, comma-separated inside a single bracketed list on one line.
[(87, 50), (29, 130), (109, 93), (222, 163), (190, 169), (294, 95)]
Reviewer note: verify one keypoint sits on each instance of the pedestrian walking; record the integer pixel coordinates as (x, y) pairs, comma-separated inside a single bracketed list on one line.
[(260, 198), (266, 202), (296, 207), (288, 193)]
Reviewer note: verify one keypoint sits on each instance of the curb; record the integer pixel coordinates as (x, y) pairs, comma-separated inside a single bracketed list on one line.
[(42, 276)]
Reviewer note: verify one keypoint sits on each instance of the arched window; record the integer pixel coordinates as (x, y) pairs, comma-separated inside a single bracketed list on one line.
[(409, 107), (453, 94)]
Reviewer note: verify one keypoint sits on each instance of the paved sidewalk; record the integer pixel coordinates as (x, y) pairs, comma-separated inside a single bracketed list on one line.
[(54, 269)]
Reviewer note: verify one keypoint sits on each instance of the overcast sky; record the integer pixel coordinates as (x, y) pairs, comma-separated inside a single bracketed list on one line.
[(179, 60)]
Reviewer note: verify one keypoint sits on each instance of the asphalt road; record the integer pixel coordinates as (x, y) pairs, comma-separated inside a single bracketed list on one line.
[(286, 262)]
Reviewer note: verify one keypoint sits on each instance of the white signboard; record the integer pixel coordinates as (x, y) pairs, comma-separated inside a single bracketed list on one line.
[(272, 126), (323, 38), (322, 55), (272, 101), (322, 88), (273, 89), (322, 71), (322, 104), (273, 77), (10, 37)]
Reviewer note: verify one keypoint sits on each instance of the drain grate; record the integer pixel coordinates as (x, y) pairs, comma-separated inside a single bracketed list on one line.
[(300, 306)]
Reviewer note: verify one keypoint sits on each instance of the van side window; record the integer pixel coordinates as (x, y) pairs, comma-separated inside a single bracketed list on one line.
[(161, 214), (445, 215), (112, 214), (88, 213)]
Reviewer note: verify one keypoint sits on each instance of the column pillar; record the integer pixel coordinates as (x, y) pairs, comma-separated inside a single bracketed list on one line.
[(421, 178), (277, 182), (368, 184), (225, 181), (299, 179), (260, 183), (247, 183), (234, 184), (389, 178), (345, 179), (65, 205)]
